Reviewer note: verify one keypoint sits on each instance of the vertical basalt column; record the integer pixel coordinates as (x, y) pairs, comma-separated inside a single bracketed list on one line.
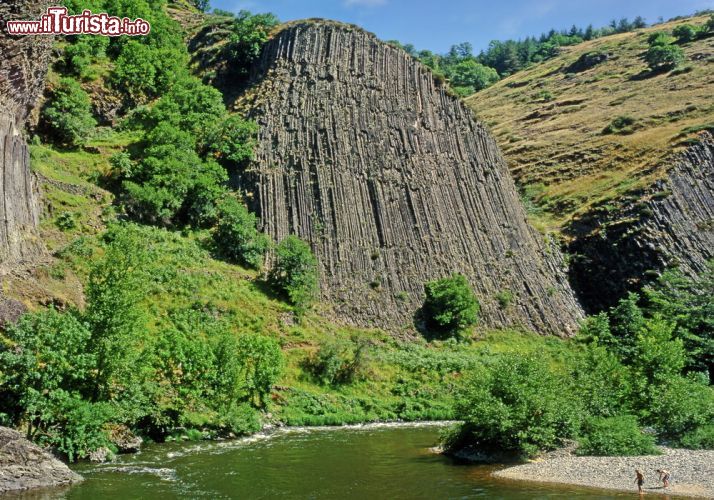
[(393, 183), (23, 67)]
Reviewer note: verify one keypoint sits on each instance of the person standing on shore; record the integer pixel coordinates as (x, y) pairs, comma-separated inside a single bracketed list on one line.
[(639, 479), (664, 476)]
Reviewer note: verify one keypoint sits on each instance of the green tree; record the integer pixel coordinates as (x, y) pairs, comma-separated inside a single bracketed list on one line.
[(685, 32), (294, 273), (470, 76), (232, 140), (261, 362), (237, 236), (450, 305), (248, 34), (46, 354), (662, 57), (518, 404), (619, 436), (689, 302), (114, 314), (68, 114)]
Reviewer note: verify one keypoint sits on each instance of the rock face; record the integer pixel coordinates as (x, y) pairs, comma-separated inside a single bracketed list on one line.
[(393, 182), (622, 251), (24, 465), (22, 76)]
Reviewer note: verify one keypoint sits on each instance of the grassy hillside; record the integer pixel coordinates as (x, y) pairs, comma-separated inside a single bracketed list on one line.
[(550, 121)]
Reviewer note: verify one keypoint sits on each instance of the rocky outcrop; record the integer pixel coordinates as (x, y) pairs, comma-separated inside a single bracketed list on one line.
[(25, 466), (671, 225), (22, 77), (393, 182)]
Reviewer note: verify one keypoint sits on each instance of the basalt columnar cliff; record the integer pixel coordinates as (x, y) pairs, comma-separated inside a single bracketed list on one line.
[(672, 225), (22, 79), (627, 203), (393, 182)]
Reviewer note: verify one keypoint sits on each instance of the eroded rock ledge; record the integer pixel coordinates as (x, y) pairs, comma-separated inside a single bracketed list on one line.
[(24, 465), (393, 182)]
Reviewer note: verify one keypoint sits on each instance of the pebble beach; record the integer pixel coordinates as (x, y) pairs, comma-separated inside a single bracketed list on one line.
[(692, 472)]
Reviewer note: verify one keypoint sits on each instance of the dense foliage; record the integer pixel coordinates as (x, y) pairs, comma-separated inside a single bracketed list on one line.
[(237, 236), (67, 114), (450, 305), (66, 375), (645, 363), (294, 273)]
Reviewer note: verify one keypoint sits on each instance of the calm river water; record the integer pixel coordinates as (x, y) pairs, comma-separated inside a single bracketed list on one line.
[(369, 462)]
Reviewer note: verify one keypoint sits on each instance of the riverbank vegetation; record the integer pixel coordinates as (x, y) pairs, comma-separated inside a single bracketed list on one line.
[(155, 313), (638, 374)]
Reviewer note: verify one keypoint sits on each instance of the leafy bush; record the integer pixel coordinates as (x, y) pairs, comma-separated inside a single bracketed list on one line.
[(678, 406), (685, 32), (248, 34), (620, 125), (450, 305), (114, 314), (338, 362), (241, 419), (236, 235), (75, 426), (504, 298), (659, 38), (261, 362), (79, 55), (294, 273), (67, 114), (518, 404), (701, 438), (601, 382), (232, 141), (615, 436), (45, 353), (664, 57)]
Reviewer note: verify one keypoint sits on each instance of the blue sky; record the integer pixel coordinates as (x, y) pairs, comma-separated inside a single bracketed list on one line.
[(438, 25)]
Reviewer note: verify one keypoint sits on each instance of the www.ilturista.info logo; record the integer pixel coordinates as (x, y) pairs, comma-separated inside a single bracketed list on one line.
[(58, 22)]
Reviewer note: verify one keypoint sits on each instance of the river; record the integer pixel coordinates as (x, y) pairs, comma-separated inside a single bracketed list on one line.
[(367, 462)]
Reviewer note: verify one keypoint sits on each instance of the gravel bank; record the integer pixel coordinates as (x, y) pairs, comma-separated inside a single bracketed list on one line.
[(692, 472)]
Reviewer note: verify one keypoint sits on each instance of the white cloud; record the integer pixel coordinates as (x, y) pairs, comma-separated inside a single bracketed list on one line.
[(364, 3)]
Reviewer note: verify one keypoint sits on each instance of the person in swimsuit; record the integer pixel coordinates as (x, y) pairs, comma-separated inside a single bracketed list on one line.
[(639, 479), (664, 476)]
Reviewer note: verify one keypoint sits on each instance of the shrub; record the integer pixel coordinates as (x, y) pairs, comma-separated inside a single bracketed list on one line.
[(117, 321), (261, 362), (601, 382), (232, 141), (701, 438), (615, 436), (338, 362), (659, 38), (663, 57), (75, 426), (294, 273), (517, 405), (504, 299), (685, 32), (241, 419), (678, 407), (450, 305), (237, 236), (44, 354), (68, 114), (620, 125)]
